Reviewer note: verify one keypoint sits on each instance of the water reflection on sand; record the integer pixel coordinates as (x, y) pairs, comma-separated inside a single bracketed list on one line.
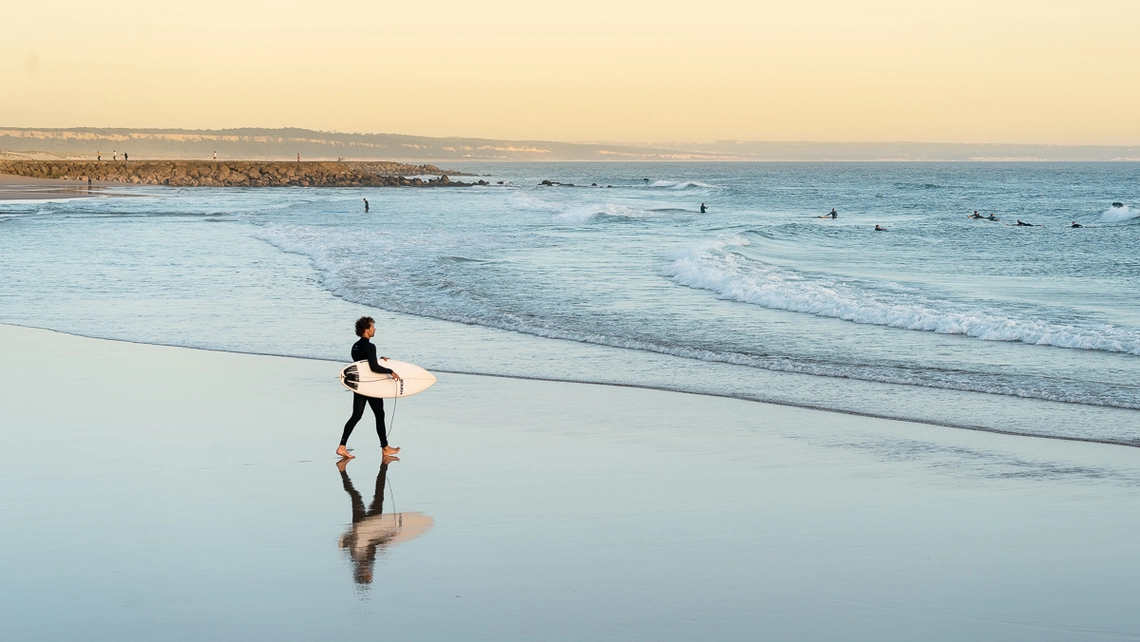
[(373, 530)]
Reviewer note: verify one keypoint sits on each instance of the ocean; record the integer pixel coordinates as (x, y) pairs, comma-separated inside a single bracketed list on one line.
[(612, 275)]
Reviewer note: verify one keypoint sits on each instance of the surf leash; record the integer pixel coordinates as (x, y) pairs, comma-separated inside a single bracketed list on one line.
[(392, 421)]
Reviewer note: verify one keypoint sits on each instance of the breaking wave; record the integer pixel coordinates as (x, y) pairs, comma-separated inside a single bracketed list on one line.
[(574, 214), (1119, 214), (716, 267), (680, 185)]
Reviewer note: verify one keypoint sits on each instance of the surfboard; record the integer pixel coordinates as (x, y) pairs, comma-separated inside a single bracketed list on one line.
[(359, 378)]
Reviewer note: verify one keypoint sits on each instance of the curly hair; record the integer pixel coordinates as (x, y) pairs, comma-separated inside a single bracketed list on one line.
[(362, 324)]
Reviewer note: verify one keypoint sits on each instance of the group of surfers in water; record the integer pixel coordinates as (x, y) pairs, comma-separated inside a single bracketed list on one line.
[(1020, 223), (833, 214)]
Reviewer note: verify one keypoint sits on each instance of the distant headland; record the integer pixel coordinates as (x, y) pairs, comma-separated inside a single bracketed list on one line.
[(253, 143)]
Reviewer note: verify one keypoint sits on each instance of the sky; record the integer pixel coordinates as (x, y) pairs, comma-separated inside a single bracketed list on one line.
[(996, 71)]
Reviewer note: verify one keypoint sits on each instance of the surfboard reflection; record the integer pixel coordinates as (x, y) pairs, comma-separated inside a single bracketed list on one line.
[(373, 530)]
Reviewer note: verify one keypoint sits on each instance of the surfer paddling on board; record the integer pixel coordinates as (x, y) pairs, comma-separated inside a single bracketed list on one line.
[(364, 350)]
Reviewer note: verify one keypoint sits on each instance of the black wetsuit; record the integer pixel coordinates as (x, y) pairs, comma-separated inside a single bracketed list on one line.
[(703, 208), (1076, 225), (362, 350)]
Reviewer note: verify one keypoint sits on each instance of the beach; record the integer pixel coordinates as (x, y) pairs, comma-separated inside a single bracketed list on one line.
[(155, 491), (649, 423)]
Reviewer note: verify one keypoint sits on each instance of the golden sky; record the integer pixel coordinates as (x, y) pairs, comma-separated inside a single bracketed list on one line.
[(1018, 71)]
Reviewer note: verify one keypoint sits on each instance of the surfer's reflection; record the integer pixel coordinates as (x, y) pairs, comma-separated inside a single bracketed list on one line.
[(374, 530)]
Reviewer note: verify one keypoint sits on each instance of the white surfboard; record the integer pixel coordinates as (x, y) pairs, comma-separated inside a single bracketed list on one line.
[(359, 378)]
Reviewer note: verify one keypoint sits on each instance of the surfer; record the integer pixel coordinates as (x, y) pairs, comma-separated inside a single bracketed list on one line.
[(365, 206), (1020, 223), (1076, 224), (880, 228), (975, 215), (833, 214), (703, 208), (362, 350), (992, 217)]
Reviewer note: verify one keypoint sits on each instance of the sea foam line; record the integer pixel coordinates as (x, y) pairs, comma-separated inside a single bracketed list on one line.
[(340, 276), (716, 267)]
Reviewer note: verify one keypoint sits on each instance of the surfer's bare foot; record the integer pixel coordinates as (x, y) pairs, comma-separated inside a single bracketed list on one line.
[(343, 452), (343, 463), (389, 459), (390, 450)]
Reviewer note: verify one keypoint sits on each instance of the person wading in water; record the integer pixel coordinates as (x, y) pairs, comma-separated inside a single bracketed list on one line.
[(364, 350)]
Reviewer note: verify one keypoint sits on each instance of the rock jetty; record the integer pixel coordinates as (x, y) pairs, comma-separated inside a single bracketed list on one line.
[(184, 173)]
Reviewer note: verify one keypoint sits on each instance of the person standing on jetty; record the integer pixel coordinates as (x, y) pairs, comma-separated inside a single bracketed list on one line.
[(364, 350)]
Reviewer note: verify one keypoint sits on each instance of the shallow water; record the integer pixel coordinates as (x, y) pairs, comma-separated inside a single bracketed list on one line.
[(941, 319)]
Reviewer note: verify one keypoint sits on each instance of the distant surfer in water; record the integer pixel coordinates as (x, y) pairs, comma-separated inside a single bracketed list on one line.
[(992, 217), (364, 350), (365, 206), (1076, 224), (1020, 223), (832, 214), (880, 228), (975, 215), (703, 208)]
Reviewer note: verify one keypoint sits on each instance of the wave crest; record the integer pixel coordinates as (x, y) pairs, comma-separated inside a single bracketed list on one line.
[(681, 185), (714, 266), (1119, 214)]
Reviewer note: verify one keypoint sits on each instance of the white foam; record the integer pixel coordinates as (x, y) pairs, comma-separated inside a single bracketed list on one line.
[(588, 212), (370, 275), (716, 267), (575, 214), (681, 185), (1118, 214)]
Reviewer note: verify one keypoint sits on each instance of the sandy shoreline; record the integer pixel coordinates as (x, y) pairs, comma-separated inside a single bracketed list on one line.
[(22, 188), (190, 492)]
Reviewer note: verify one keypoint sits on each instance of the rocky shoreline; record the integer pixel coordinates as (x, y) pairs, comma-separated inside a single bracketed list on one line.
[(186, 173)]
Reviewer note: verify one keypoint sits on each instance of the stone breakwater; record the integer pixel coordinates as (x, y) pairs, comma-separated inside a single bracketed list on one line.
[(236, 173)]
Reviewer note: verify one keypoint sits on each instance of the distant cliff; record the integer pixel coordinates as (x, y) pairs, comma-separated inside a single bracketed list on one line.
[(235, 173), (283, 144)]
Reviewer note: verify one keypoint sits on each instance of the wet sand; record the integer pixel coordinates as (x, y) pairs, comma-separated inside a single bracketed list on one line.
[(154, 492), (21, 188)]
